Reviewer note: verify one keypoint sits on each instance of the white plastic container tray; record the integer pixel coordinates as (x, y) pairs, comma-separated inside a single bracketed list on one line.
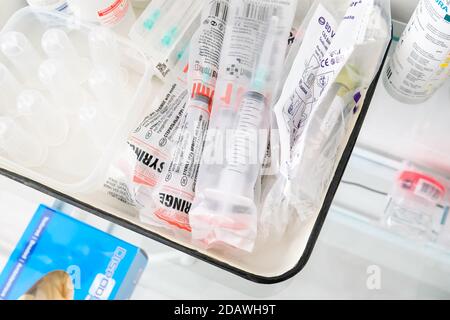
[(80, 163)]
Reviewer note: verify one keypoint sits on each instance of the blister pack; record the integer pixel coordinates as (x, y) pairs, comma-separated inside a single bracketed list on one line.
[(65, 90)]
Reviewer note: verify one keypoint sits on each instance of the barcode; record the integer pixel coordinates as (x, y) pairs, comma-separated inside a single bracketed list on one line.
[(219, 9), (389, 72), (254, 10), (428, 190)]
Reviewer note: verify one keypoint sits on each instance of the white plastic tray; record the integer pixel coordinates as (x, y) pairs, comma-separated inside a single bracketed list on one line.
[(79, 165)]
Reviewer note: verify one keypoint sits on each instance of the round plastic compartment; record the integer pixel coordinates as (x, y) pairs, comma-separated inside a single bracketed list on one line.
[(80, 164)]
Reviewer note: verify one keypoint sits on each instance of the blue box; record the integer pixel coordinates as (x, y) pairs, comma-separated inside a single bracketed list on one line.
[(59, 257)]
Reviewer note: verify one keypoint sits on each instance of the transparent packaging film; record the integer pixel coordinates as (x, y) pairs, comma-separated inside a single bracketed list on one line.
[(16, 143), (17, 48), (303, 32), (150, 146), (57, 45), (10, 88), (252, 57), (319, 124), (173, 198), (420, 63), (47, 92), (42, 118), (165, 29)]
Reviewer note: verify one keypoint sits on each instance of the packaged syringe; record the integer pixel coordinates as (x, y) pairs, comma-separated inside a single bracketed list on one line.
[(173, 198), (149, 149), (164, 31), (225, 209), (320, 104)]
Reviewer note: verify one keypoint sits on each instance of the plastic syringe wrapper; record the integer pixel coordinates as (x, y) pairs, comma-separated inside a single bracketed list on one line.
[(337, 60), (173, 197), (139, 169), (225, 207), (164, 30)]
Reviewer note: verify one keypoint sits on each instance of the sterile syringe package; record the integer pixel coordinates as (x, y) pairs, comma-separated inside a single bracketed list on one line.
[(257, 109), (338, 57), (164, 31), (139, 169)]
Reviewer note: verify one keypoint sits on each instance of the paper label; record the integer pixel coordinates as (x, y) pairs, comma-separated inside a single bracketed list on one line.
[(299, 95), (152, 143), (421, 61), (178, 188), (425, 189)]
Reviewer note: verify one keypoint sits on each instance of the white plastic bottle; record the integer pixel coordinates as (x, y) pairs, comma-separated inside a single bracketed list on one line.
[(117, 14), (420, 64), (58, 5)]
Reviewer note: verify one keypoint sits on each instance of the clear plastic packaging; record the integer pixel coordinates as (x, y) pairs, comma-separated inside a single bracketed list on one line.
[(37, 114), (9, 87), (19, 145), (57, 45), (319, 106), (16, 47), (165, 29), (173, 197), (225, 207), (78, 128), (411, 211), (150, 146)]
